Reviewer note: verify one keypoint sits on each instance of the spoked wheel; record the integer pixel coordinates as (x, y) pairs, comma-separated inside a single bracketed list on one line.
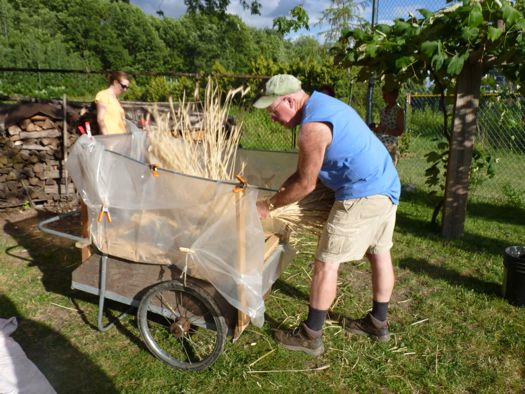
[(182, 325)]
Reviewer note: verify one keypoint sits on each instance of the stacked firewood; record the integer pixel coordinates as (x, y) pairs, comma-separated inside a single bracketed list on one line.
[(32, 162)]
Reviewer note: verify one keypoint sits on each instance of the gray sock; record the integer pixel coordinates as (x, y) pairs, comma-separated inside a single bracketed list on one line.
[(380, 310), (316, 318)]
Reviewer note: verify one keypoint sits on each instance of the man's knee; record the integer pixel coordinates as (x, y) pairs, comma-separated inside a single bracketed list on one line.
[(325, 267), (380, 260)]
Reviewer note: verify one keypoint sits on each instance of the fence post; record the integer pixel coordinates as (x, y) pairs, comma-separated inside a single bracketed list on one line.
[(64, 145), (408, 102), (370, 98)]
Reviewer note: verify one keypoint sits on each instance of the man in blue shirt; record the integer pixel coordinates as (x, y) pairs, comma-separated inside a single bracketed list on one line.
[(338, 148)]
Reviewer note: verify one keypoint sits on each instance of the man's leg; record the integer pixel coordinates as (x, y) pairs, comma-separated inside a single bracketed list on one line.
[(307, 337), (324, 285), (375, 324), (382, 283), (322, 293), (382, 276)]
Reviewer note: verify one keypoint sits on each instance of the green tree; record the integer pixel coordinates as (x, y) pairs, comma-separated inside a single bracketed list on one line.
[(297, 20), (341, 16), (271, 45), (120, 35), (200, 40), (219, 7), (308, 49), (139, 36), (454, 47), (170, 32)]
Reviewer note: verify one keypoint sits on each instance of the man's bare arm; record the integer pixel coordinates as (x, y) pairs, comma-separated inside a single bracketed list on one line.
[(314, 138)]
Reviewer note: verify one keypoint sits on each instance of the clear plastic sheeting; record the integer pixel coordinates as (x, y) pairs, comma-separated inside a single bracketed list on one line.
[(206, 228), (266, 169)]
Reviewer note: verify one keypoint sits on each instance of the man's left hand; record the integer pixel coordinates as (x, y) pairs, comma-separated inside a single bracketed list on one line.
[(262, 209)]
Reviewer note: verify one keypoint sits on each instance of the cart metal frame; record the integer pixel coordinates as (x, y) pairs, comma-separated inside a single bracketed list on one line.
[(93, 275)]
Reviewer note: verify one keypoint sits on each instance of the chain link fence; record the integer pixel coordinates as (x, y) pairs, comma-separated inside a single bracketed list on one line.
[(388, 10), (499, 158), (500, 141), (499, 154)]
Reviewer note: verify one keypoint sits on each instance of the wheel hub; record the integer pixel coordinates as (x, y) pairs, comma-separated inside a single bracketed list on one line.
[(180, 327)]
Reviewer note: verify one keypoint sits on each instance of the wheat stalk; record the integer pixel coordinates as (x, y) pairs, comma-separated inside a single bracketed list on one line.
[(209, 152)]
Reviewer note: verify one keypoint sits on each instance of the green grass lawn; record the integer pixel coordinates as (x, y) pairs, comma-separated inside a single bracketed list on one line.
[(452, 330)]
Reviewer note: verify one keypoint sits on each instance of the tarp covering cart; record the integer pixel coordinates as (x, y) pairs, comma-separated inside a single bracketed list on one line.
[(191, 253)]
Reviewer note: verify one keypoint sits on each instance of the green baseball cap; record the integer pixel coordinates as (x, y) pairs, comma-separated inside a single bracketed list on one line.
[(278, 86)]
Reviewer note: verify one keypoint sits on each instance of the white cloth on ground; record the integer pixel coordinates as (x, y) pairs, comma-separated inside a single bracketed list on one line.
[(18, 374)]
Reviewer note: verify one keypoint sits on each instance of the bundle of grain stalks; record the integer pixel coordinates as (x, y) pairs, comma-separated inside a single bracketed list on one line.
[(309, 214), (210, 152), (207, 152)]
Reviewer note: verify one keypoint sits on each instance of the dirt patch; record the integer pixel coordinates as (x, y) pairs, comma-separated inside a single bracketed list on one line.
[(13, 215)]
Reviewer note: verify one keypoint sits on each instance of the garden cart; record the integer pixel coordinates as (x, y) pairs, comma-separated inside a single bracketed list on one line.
[(190, 253)]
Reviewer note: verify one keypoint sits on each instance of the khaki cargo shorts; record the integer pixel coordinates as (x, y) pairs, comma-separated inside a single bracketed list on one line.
[(355, 227)]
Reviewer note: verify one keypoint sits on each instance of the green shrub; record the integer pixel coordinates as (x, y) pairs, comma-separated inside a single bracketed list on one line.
[(514, 196)]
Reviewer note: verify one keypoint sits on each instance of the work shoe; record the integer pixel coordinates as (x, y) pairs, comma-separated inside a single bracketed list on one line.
[(369, 325), (303, 339)]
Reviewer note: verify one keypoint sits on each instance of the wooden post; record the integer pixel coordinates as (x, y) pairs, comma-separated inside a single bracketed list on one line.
[(64, 146), (461, 146), (240, 206), (408, 105)]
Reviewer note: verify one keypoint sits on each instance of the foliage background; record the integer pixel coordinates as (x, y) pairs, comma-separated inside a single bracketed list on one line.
[(102, 35)]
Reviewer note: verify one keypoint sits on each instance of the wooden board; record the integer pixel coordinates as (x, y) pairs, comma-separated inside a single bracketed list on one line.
[(271, 242), (132, 280)]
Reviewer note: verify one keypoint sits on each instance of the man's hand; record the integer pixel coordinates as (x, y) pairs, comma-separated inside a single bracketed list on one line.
[(262, 209)]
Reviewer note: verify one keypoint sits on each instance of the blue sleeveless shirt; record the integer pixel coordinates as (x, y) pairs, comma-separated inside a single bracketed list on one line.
[(356, 164)]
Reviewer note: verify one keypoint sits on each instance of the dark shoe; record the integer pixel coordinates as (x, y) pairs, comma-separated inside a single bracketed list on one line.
[(302, 339), (369, 325)]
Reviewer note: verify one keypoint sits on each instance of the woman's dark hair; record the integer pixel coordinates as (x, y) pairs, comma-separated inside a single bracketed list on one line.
[(327, 89), (394, 91)]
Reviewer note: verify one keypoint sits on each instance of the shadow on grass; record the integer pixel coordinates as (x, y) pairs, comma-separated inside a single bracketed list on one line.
[(470, 242), (271, 325), (57, 258), (423, 267), (497, 213), (67, 369), (290, 290), (500, 213)]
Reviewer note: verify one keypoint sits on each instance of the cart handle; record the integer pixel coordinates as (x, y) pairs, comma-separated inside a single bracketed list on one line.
[(42, 227)]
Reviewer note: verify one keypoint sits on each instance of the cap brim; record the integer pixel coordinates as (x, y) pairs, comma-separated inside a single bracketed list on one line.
[(265, 101)]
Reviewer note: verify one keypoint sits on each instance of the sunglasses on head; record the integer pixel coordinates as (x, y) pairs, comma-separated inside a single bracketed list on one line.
[(123, 86)]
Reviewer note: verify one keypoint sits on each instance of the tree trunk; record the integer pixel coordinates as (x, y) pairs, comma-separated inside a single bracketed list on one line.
[(466, 104)]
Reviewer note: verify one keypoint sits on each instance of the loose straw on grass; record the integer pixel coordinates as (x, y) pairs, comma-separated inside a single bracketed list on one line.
[(209, 152), (321, 368)]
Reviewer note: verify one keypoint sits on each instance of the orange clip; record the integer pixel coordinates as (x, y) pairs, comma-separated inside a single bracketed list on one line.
[(242, 186), (154, 169), (104, 211)]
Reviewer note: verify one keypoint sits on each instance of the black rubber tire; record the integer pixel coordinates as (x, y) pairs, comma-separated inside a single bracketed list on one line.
[(207, 324)]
